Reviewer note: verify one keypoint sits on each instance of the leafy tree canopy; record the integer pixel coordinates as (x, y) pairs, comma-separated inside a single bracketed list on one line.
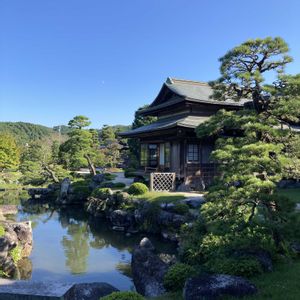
[(9, 152), (79, 122)]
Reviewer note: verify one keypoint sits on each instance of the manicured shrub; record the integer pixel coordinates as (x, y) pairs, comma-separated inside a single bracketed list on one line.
[(123, 296), (181, 208), (138, 188), (102, 193), (177, 275), (2, 230)]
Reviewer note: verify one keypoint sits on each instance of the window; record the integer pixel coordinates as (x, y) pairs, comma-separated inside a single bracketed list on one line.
[(193, 153), (167, 155), (153, 155), (144, 154)]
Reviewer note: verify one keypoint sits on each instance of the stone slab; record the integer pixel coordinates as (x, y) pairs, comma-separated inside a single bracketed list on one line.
[(31, 290)]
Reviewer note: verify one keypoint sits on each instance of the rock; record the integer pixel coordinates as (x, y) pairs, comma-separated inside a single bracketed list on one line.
[(170, 219), (121, 218), (65, 188), (21, 234), (216, 286), (296, 247), (146, 244), (90, 291), (170, 235), (9, 209), (194, 202), (25, 268), (169, 259), (288, 183), (118, 228), (148, 270), (38, 193)]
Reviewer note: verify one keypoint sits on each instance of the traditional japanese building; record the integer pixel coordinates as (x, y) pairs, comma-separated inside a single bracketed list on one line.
[(170, 144)]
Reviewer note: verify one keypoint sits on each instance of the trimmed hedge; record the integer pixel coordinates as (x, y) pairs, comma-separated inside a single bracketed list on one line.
[(138, 188)]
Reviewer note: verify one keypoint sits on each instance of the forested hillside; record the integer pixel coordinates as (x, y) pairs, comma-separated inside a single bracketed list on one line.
[(26, 132)]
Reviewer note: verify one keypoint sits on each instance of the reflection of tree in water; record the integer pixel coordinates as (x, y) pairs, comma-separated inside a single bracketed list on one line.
[(76, 246)]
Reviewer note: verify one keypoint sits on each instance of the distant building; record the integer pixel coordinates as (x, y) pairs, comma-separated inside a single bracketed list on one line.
[(170, 144)]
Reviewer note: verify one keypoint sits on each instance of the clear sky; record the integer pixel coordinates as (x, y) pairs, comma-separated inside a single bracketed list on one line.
[(104, 59)]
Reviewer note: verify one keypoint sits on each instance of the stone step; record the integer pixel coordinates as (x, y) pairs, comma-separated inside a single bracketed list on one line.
[(45, 290)]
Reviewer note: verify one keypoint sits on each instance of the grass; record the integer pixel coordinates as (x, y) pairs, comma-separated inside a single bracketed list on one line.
[(161, 197), (282, 283), (293, 194)]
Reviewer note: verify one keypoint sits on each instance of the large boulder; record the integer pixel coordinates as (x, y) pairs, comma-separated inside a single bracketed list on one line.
[(169, 219), (90, 291), (64, 194), (148, 270), (216, 286), (121, 219)]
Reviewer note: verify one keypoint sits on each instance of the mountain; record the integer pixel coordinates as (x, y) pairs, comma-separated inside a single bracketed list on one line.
[(26, 132)]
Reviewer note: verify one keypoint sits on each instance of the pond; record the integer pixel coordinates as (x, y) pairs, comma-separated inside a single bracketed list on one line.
[(70, 246)]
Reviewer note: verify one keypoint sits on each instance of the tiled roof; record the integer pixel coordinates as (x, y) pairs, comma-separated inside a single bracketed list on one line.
[(177, 121)]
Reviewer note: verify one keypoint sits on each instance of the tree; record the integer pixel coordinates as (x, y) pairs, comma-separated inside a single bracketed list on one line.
[(243, 68), (138, 121), (255, 149), (9, 152), (79, 122), (40, 163), (82, 146), (107, 134)]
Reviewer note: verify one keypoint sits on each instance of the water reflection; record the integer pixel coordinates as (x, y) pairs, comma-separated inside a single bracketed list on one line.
[(69, 245)]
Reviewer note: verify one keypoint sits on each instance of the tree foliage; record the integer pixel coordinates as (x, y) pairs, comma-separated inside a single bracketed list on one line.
[(79, 122), (243, 68), (9, 152), (255, 149)]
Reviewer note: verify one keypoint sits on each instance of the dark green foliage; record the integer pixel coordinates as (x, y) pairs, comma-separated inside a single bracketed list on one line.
[(139, 120), (79, 122), (109, 176), (119, 185), (81, 189), (247, 266), (176, 276), (181, 208), (254, 150), (129, 172), (123, 296), (138, 188), (102, 193)]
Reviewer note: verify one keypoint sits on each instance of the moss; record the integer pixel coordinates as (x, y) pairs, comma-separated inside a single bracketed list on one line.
[(123, 296), (102, 193), (2, 231), (181, 208), (16, 254), (177, 275)]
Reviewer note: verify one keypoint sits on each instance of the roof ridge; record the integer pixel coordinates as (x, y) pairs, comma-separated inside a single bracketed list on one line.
[(171, 80)]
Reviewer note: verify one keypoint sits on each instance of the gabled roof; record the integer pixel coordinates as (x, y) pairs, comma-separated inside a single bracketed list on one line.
[(187, 90), (167, 123)]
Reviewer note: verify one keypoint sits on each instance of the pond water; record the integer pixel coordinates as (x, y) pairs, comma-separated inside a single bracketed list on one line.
[(70, 246)]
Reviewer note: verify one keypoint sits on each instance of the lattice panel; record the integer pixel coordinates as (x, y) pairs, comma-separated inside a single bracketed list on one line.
[(162, 182)]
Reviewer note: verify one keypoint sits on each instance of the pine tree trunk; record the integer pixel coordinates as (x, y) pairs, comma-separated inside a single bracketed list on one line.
[(51, 173), (91, 165)]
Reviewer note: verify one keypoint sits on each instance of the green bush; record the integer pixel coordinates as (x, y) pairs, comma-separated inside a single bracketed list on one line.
[(81, 188), (181, 208), (16, 254), (245, 266), (102, 193), (123, 296), (2, 231), (177, 275), (119, 185), (138, 188)]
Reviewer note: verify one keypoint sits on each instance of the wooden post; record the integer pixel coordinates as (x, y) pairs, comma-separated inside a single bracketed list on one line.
[(151, 181)]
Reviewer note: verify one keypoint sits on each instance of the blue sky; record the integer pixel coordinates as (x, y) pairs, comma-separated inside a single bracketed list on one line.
[(104, 59)]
